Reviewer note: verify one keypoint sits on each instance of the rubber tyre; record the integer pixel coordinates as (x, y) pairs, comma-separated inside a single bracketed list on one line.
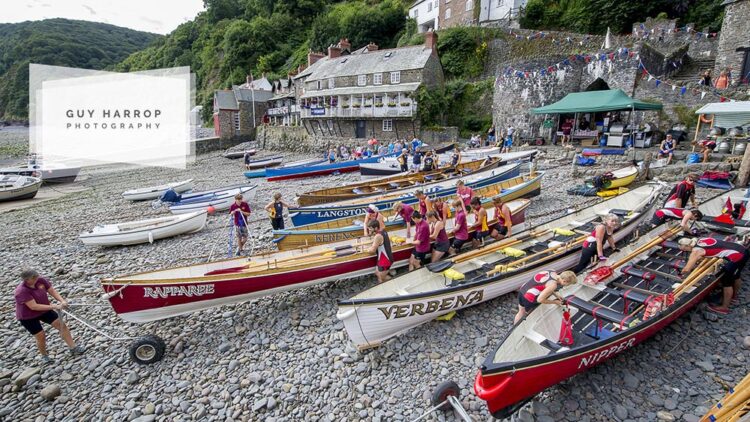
[(441, 393), (162, 345), (147, 350)]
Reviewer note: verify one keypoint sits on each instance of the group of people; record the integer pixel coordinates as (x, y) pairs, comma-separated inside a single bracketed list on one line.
[(722, 82), (428, 230), (668, 145), (373, 147), (505, 141)]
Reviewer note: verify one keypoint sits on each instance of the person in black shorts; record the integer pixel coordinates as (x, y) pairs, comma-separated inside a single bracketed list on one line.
[(33, 308), (275, 211)]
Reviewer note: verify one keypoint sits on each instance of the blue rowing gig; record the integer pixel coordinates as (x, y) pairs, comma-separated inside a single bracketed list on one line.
[(318, 170)]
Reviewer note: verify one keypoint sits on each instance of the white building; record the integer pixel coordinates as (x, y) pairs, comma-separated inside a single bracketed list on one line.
[(500, 10), (426, 13)]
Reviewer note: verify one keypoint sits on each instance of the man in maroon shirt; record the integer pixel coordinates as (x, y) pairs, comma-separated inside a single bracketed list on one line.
[(240, 210), (33, 308)]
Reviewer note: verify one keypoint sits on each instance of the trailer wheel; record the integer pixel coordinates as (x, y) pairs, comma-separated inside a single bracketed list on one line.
[(441, 393), (147, 350)]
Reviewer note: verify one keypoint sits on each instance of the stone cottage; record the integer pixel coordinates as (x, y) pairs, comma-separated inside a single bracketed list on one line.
[(237, 112), (367, 92)]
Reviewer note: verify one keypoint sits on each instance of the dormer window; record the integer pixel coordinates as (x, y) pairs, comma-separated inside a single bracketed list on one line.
[(331, 83), (319, 84), (362, 80), (377, 78), (395, 77)]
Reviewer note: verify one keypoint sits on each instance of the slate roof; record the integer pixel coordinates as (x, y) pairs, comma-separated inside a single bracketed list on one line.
[(365, 62), (225, 100), (244, 94)]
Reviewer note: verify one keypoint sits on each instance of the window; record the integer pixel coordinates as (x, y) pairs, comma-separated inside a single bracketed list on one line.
[(500, 3), (429, 7), (469, 5), (319, 84), (331, 83), (236, 118), (387, 125), (448, 13), (377, 78), (395, 77), (362, 80), (416, 13)]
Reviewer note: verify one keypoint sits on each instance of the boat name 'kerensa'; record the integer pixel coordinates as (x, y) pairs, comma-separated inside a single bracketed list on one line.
[(602, 355), (432, 306), (336, 237), (189, 291)]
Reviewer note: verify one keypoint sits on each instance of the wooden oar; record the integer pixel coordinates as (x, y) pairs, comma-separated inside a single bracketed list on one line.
[(534, 255), (741, 413), (710, 265), (657, 272), (730, 404), (499, 245), (304, 256), (743, 384)]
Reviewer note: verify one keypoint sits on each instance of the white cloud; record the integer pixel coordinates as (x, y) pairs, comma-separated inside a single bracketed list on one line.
[(158, 16)]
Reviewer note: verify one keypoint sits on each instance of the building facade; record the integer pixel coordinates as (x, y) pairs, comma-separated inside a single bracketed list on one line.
[(491, 11), (734, 44), (282, 107), (459, 13), (237, 112), (427, 14), (368, 92)]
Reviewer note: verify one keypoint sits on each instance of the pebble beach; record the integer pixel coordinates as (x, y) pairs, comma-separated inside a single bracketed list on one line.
[(286, 357)]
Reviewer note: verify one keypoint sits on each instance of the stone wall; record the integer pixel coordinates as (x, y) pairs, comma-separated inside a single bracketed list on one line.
[(204, 145), (345, 128), (436, 136), (226, 124), (663, 62), (734, 34), (459, 16)]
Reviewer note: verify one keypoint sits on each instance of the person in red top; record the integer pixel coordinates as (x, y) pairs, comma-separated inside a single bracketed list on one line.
[(240, 211), (735, 257), (381, 246), (686, 216), (504, 224), (465, 193), (682, 192), (538, 290), (33, 308), (425, 204), (421, 241), (439, 236), (405, 211), (442, 208), (460, 232), (594, 243)]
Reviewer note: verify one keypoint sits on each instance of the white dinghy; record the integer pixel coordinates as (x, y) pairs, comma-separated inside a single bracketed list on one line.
[(154, 192), (144, 231), (14, 187)]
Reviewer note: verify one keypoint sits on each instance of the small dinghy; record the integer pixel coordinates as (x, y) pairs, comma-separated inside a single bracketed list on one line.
[(154, 192), (14, 187), (233, 155), (609, 311), (265, 162), (250, 174), (219, 200), (144, 231)]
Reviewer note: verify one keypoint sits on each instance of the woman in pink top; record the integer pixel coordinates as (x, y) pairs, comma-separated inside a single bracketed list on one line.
[(460, 232), (464, 193), (421, 241)]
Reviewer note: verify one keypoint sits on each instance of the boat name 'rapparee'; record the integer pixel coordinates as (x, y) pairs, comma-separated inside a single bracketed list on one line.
[(602, 355), (432, 306), (189, 291)]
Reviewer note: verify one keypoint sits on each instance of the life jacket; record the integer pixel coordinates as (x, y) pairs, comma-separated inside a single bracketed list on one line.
[(534, 287), (721, 249)]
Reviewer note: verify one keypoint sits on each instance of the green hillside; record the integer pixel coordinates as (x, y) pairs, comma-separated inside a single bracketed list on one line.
[(59, 42)]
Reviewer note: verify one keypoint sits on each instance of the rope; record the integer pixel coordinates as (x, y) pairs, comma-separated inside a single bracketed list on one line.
[(211, 254)]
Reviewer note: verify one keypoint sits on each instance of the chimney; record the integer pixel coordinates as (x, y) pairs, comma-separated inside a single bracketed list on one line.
[(372, 47), (334, 51), (430, 41), (314, 57), (345, 45), (249, 79)]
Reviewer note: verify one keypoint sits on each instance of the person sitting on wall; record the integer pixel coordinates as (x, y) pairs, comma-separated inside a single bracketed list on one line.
[(667, 148), (707, 147)]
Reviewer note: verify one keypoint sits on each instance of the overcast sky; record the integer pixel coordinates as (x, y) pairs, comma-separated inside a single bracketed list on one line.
[(158, 16)]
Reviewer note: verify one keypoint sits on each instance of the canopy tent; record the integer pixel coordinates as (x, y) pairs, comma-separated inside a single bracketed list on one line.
[(596, 101), (728, 114)]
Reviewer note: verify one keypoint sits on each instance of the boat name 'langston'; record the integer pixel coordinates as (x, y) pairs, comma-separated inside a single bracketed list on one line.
[(604, 354), (189, 291), (340, 213), (432, 306)]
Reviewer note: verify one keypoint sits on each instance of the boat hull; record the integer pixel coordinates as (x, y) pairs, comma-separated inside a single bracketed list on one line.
[(265, 162), (621, 182), (317, 170), (378, 169), (180, 225), (156, 191), (219, 202), (28, 191), (334, 211), (370, 322), (502, 390)]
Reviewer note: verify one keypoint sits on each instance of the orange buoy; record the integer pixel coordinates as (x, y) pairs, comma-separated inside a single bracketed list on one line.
[(211, 210)]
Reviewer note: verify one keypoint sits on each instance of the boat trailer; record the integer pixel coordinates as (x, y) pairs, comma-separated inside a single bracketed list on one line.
[(444, 397), (143, 350)]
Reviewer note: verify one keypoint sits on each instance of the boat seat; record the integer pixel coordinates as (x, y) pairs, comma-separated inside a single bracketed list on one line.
[(629, 295), (478, 262), (598, 311), (537, 247), (543, 341)]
